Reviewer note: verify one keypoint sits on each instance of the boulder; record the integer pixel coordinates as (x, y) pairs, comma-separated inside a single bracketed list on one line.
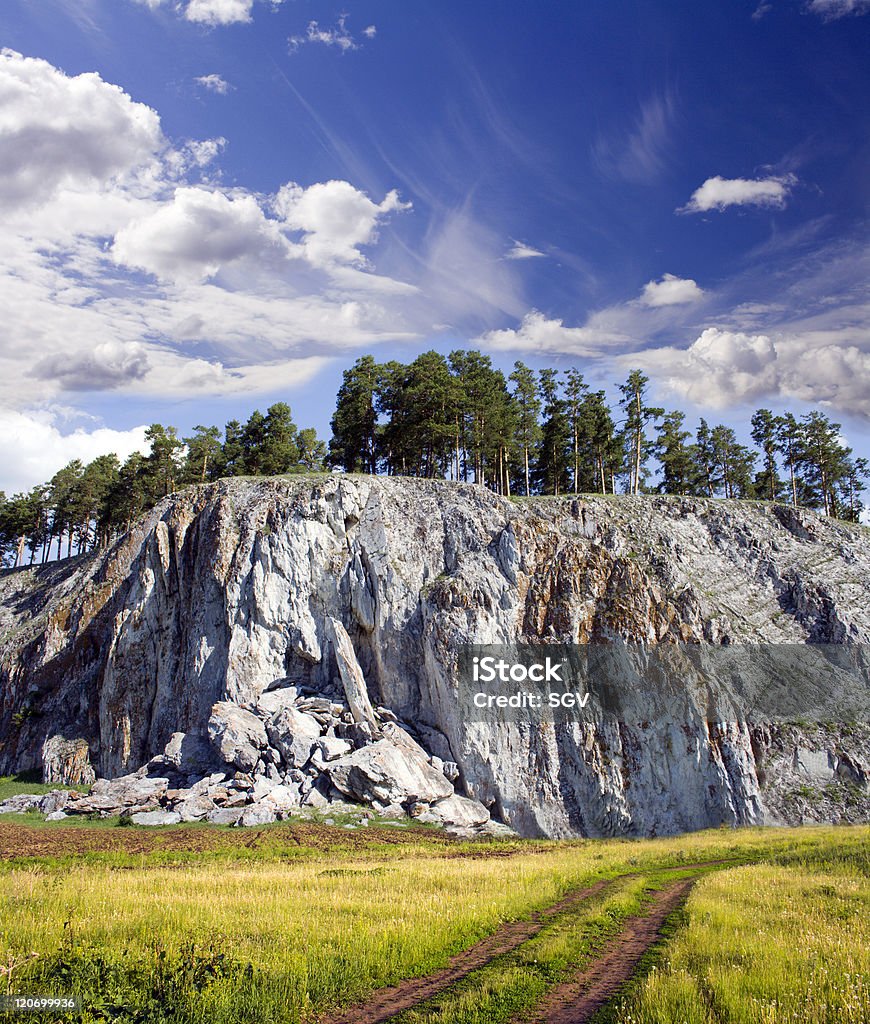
[(261, 788), (155, 818), (276, 700), (194, 808), (457, 810), (112, 796), (388, 774), (189, 754), (257, 814), (236, 734), (293, 734), (352, 677), (331, 747), (66, 762), (224, 815), (282, 798), (19, 803), (56, 800), (56, 816)]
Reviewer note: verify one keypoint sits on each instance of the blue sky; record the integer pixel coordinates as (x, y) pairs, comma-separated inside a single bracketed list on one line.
[(211, 205)]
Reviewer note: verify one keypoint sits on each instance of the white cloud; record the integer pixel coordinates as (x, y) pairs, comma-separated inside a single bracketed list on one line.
[(339, 36), (539, 334), (723, 368), (642, 154), (214, 83), (57, 131), (195, 235), (35, 449), (521, 251), (671, 291), (335, 219), (833, 9), (719, 193), (219, 12)]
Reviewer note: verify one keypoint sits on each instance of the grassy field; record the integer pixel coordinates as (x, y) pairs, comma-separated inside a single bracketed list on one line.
[(268, 932)]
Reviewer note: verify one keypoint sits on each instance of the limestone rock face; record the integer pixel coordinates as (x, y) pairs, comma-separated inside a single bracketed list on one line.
[(228, 594), (67, 762)]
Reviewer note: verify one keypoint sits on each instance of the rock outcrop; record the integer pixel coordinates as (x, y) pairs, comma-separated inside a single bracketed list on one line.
[(271, 632)]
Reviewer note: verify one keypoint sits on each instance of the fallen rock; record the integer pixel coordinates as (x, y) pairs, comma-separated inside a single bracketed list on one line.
[(194, 808), (257, 814), (56, 816), (112, 796), (276, 700), (387, 774), (283, 798), (331, 747), (237, 735), (352, 677), (224, 815), (56, 800), (457, 810), (189, 754), (155, 818), (293, 734)]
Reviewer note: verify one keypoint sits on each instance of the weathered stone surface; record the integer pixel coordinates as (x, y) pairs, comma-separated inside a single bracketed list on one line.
[(352, 677), (237, 735), (194, 808), (56, 816), (457, 810), (67, 762), (331, 747), (56, 800), (257, 814), (189, 754), (155, 818), (388, 774), (273, 701), (293, 734), (224, 815), (200, 603), (283, 798), (112, 796)]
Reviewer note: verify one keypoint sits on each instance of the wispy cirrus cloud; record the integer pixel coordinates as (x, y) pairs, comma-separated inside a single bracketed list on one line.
[(521, 251), (830, 10), (641, 153), (719, 193)]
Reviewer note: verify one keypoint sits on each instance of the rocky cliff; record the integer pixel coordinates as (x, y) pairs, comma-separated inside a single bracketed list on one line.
[(227, 593)]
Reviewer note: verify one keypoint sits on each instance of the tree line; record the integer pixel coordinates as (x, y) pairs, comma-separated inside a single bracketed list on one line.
[(84, 507), (455, 417), (550, 433)]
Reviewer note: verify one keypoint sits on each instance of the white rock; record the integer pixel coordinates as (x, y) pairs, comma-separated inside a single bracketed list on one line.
[(155, 818), (331, 747), (275, 700), (459, 810), (257, 814), (388, 774), (236, 734), (283, 798), (293, 734), (225, 815)]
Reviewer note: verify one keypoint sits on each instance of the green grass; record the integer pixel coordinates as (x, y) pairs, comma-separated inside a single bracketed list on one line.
[(29, 782), (275, 932), (765, 944)]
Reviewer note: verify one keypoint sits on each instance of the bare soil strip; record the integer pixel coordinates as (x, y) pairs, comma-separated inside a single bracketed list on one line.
[(575, 1001), (387, 1002)]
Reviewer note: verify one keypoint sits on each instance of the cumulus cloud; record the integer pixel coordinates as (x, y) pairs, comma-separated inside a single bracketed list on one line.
[(830, 10), (219, 12), (57, 131), (214, 83), (521, 251), (539, 334), (723, 368), (671, 291), (194, 235), (335, 219), (35, 448), (338, 37), (719, 193)]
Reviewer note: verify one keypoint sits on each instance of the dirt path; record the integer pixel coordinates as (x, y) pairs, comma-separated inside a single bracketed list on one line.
[(387, 1002), (574, 1001)]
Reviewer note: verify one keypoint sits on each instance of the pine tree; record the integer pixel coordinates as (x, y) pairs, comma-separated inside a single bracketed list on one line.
[(528, 407), (204, 454), (705, 458), (788, 443), (637, 415), (675, 456), (604, 446), (552, 472), (354, 442), (764, 434), (575, 389)]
